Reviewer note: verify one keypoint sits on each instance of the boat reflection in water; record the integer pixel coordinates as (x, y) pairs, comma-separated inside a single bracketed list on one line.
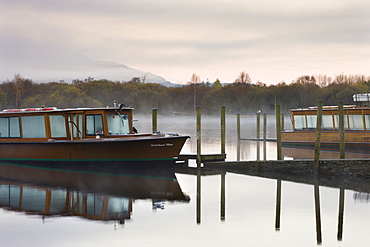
[(92, 191), (309, 153)]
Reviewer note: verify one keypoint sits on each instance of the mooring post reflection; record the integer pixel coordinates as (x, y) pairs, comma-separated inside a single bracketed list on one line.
[(199, 178), (223, 196), (317, 210), (278, 204), (340, 214)]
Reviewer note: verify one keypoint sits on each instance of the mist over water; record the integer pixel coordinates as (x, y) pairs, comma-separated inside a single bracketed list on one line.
[(250, 204)]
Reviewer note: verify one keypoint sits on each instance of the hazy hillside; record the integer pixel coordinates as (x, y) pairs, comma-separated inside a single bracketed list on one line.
[(70, 67)]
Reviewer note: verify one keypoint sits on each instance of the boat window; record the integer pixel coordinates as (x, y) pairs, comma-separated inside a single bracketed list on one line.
[(9, 127), (94, 205), (311, 122), (367, 121), (58, 126), (355, 122), (33, 127), (118, 124), (299, 122), (94, 124), (336, 120), (58, 201), (75, 125), (327, 122), (10, 195), (33, 199), (118, 206), (80, 203)]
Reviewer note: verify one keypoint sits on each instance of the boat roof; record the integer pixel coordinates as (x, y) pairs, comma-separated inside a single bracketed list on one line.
[(55, 109), (314, 108)]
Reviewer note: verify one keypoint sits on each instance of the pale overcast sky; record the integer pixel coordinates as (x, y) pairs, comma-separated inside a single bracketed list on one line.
[(271, 40)]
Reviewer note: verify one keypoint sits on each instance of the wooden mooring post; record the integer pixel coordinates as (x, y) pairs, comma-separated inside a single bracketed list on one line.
[(199, 137), (238, 126), (154, 120), (318, 136), (342, 148), (223, 130), (258, 133), (264, 136), (238, 136), (278, 131)]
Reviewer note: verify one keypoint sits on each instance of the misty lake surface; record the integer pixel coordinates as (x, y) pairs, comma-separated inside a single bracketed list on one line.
[(246, 217)]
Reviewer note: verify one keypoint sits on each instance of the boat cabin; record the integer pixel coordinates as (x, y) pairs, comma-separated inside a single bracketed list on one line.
[(50, 123), (355, 118)]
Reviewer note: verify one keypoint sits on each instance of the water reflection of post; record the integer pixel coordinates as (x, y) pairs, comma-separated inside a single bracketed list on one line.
[(198, 195), (199, 161), (223, 177), (317, 210), (278, 205), (340, 215)]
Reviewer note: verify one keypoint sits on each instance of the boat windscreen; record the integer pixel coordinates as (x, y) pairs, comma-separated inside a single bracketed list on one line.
[(118, 124)]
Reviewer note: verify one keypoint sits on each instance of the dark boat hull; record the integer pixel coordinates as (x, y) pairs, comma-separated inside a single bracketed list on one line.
[(119, 149)]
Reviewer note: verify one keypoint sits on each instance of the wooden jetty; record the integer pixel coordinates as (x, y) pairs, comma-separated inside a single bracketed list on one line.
[(203, 157)]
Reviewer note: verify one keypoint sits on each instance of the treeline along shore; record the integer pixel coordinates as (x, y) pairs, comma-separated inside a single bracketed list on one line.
[(240, 97)]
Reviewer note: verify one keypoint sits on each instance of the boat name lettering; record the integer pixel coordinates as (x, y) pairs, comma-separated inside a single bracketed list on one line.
[(161, 144)]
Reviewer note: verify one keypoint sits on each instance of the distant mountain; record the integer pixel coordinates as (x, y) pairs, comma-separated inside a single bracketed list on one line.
[(46, 68)]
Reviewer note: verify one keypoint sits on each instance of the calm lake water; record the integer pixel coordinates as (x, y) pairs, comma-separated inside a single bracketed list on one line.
[(246, 217)]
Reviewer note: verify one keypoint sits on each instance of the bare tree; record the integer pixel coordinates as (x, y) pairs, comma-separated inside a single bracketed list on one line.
[(341, 79), (244, 78), (305, 79), (193, 81), (323, 80)]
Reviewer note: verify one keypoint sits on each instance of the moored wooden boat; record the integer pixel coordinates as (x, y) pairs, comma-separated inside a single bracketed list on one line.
[(81, 134), (356, 128)]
